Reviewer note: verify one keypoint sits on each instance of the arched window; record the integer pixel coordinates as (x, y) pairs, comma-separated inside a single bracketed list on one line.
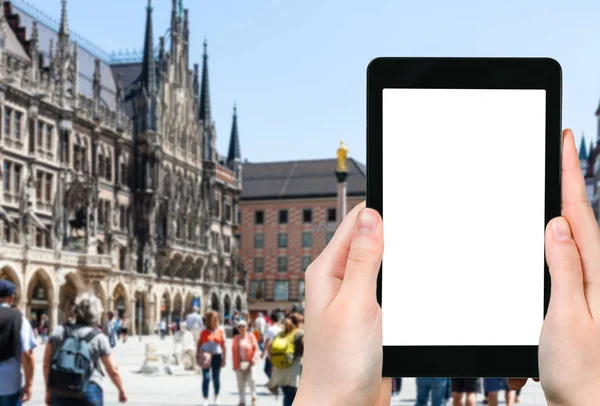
[(108, 166), (167, 184), (101, 162), (122, 258)]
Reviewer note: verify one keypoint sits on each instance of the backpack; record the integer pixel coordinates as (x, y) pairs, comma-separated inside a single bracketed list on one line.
[(72, 365), (282, 350)]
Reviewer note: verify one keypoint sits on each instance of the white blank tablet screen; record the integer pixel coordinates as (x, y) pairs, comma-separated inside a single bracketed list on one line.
[(463, 208)]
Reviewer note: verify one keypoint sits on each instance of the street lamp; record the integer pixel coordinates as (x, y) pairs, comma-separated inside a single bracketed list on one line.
[(140, 287)]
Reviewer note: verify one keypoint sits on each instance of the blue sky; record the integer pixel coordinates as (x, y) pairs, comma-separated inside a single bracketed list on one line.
[(297, 68)]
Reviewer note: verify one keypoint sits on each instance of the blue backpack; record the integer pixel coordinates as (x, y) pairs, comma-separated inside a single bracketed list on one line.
[(72, 365)]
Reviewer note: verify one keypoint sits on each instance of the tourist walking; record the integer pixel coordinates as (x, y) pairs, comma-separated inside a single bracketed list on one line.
[(494, 385), (43, 328), (16, 350), (194, 323), (287, 350), (431, 387), (124, 328), (467, 386), (117, 327), (110, 329), (396, 386), (245, 352), (270, 334), (211, 355), (261, 326), (162, 328), (67, 343)]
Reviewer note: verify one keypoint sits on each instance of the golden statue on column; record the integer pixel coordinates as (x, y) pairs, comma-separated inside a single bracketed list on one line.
[(342, 158)]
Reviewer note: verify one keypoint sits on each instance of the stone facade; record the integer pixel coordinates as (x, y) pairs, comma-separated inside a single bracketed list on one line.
[(110, 177)]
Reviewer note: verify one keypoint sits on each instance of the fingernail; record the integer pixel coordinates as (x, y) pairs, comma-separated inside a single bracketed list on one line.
[(366, 222), (561, 229)]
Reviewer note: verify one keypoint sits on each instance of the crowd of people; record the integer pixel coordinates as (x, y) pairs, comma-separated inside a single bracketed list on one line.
[(278, 340), (440, 390), (77, 354)]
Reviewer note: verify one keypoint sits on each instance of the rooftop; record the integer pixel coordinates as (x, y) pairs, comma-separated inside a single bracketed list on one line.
[(299, 179)]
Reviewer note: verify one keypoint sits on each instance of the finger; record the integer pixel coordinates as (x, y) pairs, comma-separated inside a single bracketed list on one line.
[(385, 395), (364, 257), (576, 208), (324, 276), (516, 383), (567, 292)]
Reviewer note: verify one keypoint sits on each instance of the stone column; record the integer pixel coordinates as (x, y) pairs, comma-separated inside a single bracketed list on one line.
[(53, 315), (342, 207), (109, 304), (133, 323)]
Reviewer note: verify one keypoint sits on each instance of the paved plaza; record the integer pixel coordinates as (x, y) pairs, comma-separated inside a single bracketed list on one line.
[(185, 389)]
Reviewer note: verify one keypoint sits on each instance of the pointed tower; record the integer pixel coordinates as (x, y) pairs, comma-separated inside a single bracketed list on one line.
[(234, 155), (147, 104), (583, 154), (34, 52), (96, 87), (75, 76), (204, 110), (62, 55), (196, 84)]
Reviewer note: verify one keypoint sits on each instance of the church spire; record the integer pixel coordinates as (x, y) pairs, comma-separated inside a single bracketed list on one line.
[(583, 154), (64, 25), (204, 111), (148, 65), (234, 154)]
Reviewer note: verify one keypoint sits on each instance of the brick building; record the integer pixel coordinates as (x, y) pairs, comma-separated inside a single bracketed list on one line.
[(288, 215)]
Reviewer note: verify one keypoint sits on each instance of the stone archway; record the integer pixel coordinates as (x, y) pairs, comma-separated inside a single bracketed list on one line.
[(177, 306), (226, 307), (40, 297), (9, 274), (214, 303), (66, 295), (98, 291), (120, 300), (186, 270), (165, 306), (142, 313), (238, 304), (189, 303), (198, 266)]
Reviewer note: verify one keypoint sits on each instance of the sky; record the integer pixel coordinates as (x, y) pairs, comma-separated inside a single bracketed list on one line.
[(297, 69)]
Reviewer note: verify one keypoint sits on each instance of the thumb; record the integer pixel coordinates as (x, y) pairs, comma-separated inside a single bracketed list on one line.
[(564, 263), (364, 257)]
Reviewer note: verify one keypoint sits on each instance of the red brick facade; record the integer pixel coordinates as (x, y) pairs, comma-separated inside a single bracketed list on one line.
[(264, 299)]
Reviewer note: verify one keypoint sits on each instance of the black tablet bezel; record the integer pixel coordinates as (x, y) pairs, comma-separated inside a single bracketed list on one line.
[(465, 73)]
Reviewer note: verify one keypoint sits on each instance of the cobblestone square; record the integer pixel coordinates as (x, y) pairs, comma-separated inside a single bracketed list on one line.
[(185, 389)]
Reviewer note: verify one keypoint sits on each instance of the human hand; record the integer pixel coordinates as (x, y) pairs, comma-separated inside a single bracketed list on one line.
[(26, 396), (341, 301), (223, 363), (122, 397), (48, 398), (569, 354)]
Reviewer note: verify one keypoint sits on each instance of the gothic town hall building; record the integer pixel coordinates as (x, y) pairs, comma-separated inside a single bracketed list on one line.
[(110, 177)]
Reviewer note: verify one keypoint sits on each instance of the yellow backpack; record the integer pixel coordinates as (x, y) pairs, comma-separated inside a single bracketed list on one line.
[(282, 350)]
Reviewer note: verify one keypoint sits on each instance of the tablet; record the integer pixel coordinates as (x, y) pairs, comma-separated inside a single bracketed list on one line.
[(463, 163)]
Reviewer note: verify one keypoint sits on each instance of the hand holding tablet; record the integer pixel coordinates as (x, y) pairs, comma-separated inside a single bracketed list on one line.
[(343, 341)]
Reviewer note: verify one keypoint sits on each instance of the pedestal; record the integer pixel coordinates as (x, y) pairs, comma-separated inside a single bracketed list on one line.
[(342, 206), (153, 364)]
